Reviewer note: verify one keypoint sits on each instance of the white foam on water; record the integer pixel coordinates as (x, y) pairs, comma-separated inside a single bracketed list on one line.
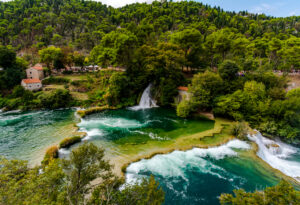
[(110, 122), (139, 132), (174, 164), (277, 154), (156, 137), (146, 101), (16, 115), (95, 132), (63, 152), (75, 113), (152, 135), (223, 150), (13, 111), (92, 133), (150, 121)]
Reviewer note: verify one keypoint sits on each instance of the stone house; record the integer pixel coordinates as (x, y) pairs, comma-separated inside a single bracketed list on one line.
[(35, 72), (183, 94), (32, 84)]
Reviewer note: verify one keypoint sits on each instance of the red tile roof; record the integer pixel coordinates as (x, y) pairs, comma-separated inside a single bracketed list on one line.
[(30, 81), (183, 88), (37, 67)]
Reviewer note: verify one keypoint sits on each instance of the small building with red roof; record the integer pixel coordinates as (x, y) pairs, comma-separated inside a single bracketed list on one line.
[(32, 84), (183, 94), (35, 72), (181, 88)]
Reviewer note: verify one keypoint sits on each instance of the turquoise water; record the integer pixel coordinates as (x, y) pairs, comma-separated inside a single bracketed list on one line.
[(200, 176), (130, 127), (197, 176), (26, 135)]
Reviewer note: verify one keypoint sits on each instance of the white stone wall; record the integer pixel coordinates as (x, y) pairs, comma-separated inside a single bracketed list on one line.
[(32, 86), (34, 74), (182, 95)]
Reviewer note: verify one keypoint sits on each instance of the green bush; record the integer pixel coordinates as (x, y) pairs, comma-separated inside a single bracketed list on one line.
[(67, 72), (51, 153), (69, 141), (78, 83), (18, 91), (56, 99), (240, 130), (282, 193), (66, 86), (184, 109), (293, 93), (55, 80)]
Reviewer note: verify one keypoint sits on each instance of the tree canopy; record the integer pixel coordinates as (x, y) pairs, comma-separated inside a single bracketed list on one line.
[(68, 181)]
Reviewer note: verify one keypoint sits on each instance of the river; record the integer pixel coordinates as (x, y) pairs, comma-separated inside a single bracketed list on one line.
[(26, 135), (196, 176)]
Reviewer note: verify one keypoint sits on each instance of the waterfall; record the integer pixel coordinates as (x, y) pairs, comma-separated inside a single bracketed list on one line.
[(278, 155), (146, 100)]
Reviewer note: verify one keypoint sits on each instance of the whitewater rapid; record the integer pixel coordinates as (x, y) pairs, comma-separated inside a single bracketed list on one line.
[(174, 164), (277, 154), (104, 126)]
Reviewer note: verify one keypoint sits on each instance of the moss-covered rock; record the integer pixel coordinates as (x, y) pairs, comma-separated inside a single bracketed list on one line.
[(69, 141), (83, 113)]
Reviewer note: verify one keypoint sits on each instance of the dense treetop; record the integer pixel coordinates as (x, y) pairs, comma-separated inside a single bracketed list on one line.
[(83, 23)]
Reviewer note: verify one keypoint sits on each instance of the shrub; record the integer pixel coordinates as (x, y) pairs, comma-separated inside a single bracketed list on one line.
[(78, 83), (55, 80), (56, 99), (66, 86), (67, 72), (228, 70), (240, 130), (293, 93), (282, 193), (69, 141), (184, 109), (51, 153), (18, 91)]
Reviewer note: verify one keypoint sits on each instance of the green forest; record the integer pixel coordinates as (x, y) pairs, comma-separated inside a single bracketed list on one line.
[(155, 43), (165, 43)]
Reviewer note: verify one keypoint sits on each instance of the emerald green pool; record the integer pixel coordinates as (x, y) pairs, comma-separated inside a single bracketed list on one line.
[(127, 126)]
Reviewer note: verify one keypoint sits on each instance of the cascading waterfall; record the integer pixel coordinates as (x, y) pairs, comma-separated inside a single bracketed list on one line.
[(146, 100), (278, 155)]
